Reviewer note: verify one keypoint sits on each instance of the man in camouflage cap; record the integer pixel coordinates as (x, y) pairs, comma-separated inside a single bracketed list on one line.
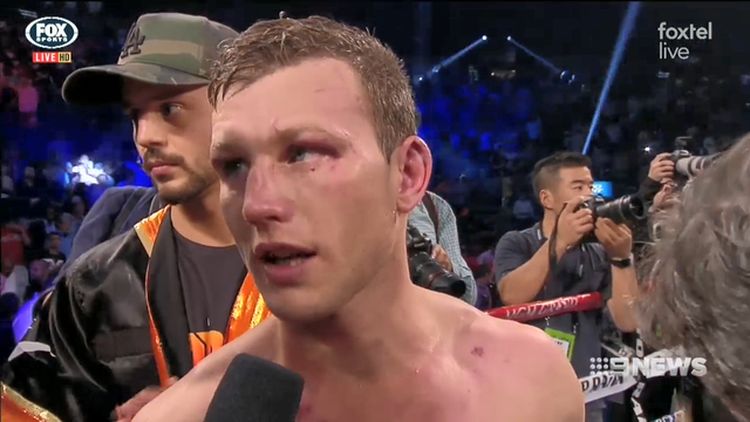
[(161, 48), (146, 305)]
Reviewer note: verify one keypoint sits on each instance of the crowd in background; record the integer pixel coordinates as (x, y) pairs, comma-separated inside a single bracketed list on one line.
[(485, 133)]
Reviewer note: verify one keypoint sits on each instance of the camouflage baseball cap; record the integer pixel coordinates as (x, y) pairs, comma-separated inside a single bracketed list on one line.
[(161, 48)]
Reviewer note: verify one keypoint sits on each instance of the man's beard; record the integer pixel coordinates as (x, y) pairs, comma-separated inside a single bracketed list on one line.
[(198, 180), (195, 185)]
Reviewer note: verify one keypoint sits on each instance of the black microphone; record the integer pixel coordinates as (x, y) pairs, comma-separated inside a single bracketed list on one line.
[(256, 390)]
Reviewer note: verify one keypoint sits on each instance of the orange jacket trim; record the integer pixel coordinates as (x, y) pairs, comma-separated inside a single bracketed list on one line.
[(248, 311), (16, 408)]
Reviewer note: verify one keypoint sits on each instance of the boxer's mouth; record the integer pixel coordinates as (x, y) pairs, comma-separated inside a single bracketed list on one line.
[(282, 253)]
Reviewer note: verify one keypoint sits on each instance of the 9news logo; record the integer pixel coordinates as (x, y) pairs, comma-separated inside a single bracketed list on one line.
[(650, 366)]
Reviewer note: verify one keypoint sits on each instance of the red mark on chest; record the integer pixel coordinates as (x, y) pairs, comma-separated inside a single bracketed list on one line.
[(477, 351), (305, 409)]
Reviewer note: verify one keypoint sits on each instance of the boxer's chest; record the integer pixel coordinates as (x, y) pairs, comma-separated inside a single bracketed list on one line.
[(428, 396)]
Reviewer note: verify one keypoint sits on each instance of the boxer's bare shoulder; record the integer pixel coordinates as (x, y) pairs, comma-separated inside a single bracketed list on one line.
[(516, 369), (521, 370)]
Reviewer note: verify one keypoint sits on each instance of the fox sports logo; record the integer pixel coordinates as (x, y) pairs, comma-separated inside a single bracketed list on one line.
[(51, 32)]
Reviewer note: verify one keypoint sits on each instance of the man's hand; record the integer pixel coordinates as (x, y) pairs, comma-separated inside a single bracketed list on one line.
[(573, 225), (661, 168), (441, 256), (127, 411), (617, 239)]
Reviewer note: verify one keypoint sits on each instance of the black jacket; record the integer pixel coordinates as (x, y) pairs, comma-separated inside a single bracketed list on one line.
[(114, 213), (93, 334), (92, 341), (91, 347)]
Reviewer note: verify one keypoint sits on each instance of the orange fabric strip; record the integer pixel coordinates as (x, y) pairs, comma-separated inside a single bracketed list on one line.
[(248, 311), (204, 343), (147, 229), (16, 408), (156, 344)]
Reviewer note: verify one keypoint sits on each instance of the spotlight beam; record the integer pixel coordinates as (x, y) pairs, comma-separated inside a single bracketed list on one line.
[(462, 52), (534, 55), (450, 60), (626, 28)]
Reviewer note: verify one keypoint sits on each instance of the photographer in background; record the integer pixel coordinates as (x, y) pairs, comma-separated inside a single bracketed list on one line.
[(668, 173), (660, 172), (522, 262), (434, 218), (654, 190), (699, 277)]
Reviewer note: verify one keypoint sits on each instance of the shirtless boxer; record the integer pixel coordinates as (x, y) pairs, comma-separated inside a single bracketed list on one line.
[(315, 144)]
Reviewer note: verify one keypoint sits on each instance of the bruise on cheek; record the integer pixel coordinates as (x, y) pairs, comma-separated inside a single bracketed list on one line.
[(327, 167), (477, 351)]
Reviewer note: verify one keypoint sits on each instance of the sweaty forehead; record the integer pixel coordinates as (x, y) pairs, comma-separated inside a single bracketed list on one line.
[(314, 93)]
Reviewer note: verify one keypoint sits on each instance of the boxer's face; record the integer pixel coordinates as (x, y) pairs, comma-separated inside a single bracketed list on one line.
[(305, 189), (172, 131)]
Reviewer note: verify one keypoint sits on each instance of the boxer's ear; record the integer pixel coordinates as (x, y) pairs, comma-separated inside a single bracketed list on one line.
[(413, 165)]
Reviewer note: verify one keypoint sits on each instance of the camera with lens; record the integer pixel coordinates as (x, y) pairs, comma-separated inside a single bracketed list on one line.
[(686, 164), (425, 271), (625, 209)]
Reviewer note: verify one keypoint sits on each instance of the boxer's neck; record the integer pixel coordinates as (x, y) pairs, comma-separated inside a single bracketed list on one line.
[(381, 334)]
